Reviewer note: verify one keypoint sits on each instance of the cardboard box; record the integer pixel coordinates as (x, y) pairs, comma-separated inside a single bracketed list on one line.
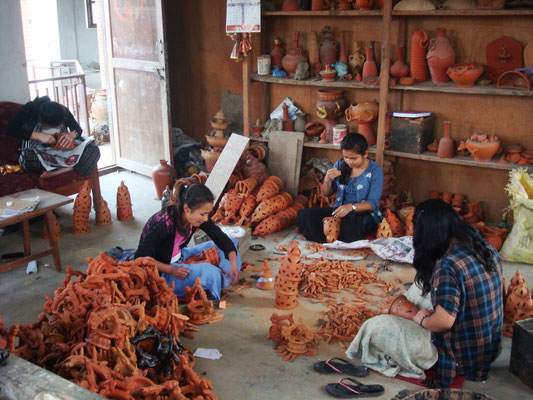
[(411, 135)]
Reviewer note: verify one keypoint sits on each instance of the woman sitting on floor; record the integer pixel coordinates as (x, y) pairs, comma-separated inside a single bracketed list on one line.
[(358, 182), (168, 231)]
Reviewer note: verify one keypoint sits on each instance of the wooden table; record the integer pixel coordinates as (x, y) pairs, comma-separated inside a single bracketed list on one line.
[(48, 203)]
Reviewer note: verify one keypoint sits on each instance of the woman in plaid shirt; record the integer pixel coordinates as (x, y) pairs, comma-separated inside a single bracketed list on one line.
[(464, 275)]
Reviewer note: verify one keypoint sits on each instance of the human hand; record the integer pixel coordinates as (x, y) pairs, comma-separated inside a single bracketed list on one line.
[(233, 274), (66, 140), (342, 211), (45, 138), (421, 314), (179, 272), (332, 174)]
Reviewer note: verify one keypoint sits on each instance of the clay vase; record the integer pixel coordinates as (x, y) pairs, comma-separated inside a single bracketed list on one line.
[(290, 5), (312, 50), (402, 307), (277, 54), (419, 43), (364, 4), (370, 67), (399, 69), (446, 145), (330, 105), (342, 52), (99, 106), (293, 57), (332, 228), (287, 122), (328, 49), (356, 60), (440, 56), (163, 175), (319, 5)]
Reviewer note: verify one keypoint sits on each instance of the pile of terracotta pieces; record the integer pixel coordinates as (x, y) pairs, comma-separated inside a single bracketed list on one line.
[(201, 311), (518, 302), (292, 339), (341, 322), (169, 195), (516, 154), (90, 330)]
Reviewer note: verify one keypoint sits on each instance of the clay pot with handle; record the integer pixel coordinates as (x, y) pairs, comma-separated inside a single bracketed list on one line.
[(293, 56), (440, 56), (419, 68)]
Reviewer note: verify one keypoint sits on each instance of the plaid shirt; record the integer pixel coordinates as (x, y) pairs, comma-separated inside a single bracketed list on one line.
[(462, 286)]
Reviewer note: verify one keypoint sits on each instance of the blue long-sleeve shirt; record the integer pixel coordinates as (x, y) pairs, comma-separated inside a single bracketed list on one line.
[(366, 187)]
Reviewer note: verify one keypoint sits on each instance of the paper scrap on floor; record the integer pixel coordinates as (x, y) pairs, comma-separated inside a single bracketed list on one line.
[(11, 207), (394, 249), (210, 354)]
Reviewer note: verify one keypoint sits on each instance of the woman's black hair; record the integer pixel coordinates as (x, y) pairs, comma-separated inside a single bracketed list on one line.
[(353, 142), (52, 113), (436, 224), (194, 196)]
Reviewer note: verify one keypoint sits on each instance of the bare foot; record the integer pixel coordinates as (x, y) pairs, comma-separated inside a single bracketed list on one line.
[(48, 174)]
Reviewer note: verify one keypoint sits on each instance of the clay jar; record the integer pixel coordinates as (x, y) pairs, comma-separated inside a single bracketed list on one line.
[(364, 4), (399, 69), (330, 107), (328, 50), (277, 53), (319, 5), (402, 307), (419, 42), (440, 56), (370, 67), (446, 145), (293, 57), (163, 175)]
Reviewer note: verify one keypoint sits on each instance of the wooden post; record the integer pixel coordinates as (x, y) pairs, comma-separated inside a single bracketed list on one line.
[(384, 80), (246, 94)]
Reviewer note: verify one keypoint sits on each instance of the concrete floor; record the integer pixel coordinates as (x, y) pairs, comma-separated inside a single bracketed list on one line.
[(249, 368)]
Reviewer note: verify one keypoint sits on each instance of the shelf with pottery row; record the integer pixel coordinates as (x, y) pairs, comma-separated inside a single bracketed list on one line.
[(378, 13), (428, 86)]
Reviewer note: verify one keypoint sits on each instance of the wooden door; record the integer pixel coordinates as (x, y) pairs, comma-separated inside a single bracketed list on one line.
[(135, 56)]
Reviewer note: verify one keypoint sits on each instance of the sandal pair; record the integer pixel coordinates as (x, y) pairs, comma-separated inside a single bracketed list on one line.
[(340, 366)]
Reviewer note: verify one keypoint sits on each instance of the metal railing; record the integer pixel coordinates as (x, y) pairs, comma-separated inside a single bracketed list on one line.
[(64, 82)]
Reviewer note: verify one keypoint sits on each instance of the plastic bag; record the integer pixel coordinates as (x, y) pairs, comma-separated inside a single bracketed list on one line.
[(518, 246)]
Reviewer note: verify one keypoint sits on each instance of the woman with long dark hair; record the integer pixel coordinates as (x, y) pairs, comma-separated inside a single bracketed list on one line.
[(168, 231), (358, 182), (463, 274)]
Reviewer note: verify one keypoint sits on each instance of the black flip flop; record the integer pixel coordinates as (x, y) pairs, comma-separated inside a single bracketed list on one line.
[(344, 391), (342, 367)]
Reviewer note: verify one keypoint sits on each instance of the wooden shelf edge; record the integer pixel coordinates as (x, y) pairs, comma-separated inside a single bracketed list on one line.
[(315, 144), (327, 13), (457, 160), (463, 13), (312, 82)]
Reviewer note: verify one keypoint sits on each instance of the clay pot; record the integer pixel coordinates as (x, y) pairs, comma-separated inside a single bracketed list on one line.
[(163, 175), (364, 4), (419, 43), (434, 195), (210, 159), (314, 129), (402, 307), (330, 105), (446, 145), (287, 122), (458, 200), (407, 81), (447, 197), (277, 53), (290, 5), (364, 114), (329, 74), (440, 56), (285, 301), (464, 75), (482, 151), (99, 106), (312, 50), (399, 69), (319, 5), (370, 67), (433, 147), (332, 228), (293, 57), (356, 60), (344, 4), (270, 224), (328, 49), (380, 3), (216, 141)]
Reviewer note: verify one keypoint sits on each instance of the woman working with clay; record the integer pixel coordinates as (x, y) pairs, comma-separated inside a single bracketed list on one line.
[(168, 231), (358, 182)]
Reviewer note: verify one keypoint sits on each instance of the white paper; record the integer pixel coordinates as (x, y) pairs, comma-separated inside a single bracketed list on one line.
[(394, 249), (210, 354), (243, 16), (278, 111)]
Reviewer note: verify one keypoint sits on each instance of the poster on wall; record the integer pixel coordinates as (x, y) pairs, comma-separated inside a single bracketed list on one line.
[(243, 16)]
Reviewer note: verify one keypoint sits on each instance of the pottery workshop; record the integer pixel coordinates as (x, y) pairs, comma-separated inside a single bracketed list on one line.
[(258, 199)]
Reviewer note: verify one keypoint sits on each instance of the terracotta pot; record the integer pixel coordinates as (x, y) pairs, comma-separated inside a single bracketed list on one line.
[(287, 122), (312, 50), (364, 4), (402, 307), (314, 129), (433, 147), (446, 145), (447, 197), (290, 5), (464, 75), (458, 200), (491, 4), (370, 67), (419, 43), (407, 81), (293, 57), (332, 228), (277, 53), (380, 3), (99, 106), (364, 114), (163, 175), (330, 107), (399, 69), (329, 74), (319, 5), (434, 195), (440, 56), (266, 280), (482, 152), (328, 49)]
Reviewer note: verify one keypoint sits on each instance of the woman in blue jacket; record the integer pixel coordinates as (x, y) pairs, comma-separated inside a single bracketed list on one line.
[(358, 182)]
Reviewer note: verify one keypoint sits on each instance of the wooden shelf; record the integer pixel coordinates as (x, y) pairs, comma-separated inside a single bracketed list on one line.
[(457, 160), (449, 87), (463, 13), (326, 13), (316, 145)]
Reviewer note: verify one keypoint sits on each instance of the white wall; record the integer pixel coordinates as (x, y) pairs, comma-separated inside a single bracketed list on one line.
[(44, 31)]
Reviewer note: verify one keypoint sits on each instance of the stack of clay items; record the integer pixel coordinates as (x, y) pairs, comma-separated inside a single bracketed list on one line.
[(492, 235), (201, 310), (389, 178), (278, 221), (209, 256), (318, 200), (103, 214), (86, 331), (297, 340), (266, 280), (332, 228), (341, 322), (516, 154), (332, 276), (288, 277), (82, 209), (481, 146), (518, 303), (57, 228), (124, 210)]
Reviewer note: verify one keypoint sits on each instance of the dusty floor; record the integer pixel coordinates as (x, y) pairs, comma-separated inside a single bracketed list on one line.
[(249, 368)]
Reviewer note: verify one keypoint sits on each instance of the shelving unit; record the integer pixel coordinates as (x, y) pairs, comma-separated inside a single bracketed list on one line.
[(486, 108)]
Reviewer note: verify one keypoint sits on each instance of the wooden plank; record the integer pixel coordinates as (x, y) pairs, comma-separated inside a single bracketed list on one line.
[(25, 260), (463, 13), (285, 158), (316, 145), (313, 82), (27, 244), (246, 95), (52, 239), (325, 13)]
